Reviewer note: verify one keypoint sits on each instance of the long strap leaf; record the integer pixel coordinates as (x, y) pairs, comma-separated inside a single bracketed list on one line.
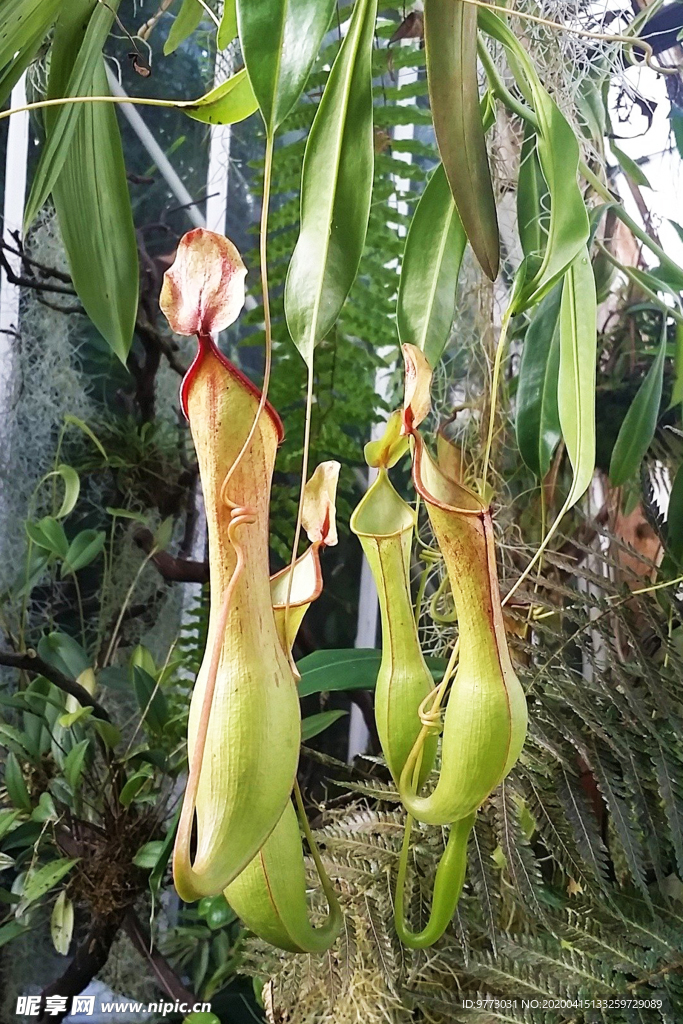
[(280, 40), (451, 52), (62, 124), (558, 152), (336, 188), (537, 421), (639, 424), (21, 21), (576, 382), (431, 265)]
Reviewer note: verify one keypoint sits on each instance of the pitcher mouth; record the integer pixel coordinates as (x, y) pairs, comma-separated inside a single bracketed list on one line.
[(437, 489), (206, 347)]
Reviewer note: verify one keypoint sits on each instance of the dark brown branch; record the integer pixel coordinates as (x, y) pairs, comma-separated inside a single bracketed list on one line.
[(31, 662), (149, 334), (90, 958), (59, 275), (160, 967), (178, 570), (31, 282)]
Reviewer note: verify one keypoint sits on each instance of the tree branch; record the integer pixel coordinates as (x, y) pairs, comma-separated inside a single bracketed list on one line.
[(178, 570), (31, 662), (160, 967)]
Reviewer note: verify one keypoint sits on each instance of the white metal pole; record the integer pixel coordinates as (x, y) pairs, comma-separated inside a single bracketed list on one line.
[(13, 215), (166, 168)]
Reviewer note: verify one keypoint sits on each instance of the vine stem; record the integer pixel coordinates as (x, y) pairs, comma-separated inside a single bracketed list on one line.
[(58, 101), (302, 496), (495, 381), (267, 323)]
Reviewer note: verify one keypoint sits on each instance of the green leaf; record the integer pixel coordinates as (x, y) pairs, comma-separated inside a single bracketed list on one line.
[(314, 724), (558, 152), (148, 855), (62, 923), (336, 188), (134, 785), (189, 16), (73, 764), (532, 198), (216, 911), (13, 71), (629, 166), (151, 699), (10, 931), (538, 422), (228, 103), (41, 881), (82, 426), (80, 34), (227, 29), (82, 165), (15, 785), (109, 733), (280, 40), (429, 274), (22, 22), (640, 422), (7, 819), (576, 381), (64, 653), (72, 488), (84, 549), (159, 868), (350, 668), (450, 32), (49, 534), (68, 720)]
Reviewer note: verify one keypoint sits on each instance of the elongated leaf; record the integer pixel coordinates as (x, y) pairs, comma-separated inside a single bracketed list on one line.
[(95, 218), (280, 40), (630, 167), (151, 699), (431, 265), (558, 152), (228, 26), (677, 389), (347, 669), (72, 488), (336, 188), (189, 16), (84, 549), (640, 422), (64, 653), (450, 28), (41, 881), (13, 71), (49, 534), (228, 103), (532, 198), (73, 764), (576, 381), (82, 164), (81, 31), (62, 923), (538, 421), (315, 724), (22, 22), (15, 785)]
